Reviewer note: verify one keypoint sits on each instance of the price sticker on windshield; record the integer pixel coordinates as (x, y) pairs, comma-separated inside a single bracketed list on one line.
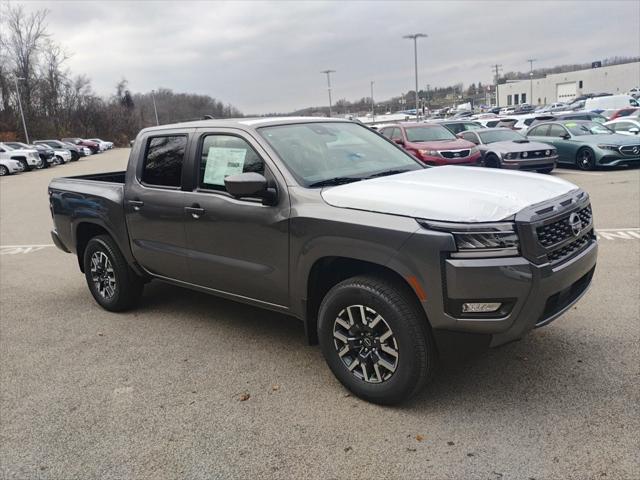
[(222, 162)]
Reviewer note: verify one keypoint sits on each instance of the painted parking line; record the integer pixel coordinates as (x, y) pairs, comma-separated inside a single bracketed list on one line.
[(18, 249)]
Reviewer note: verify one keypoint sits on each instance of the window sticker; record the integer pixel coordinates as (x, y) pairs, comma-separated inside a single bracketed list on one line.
[(222, 162), (569, 125)]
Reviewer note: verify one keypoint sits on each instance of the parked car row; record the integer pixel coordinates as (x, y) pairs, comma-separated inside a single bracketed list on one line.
[(18, 157)]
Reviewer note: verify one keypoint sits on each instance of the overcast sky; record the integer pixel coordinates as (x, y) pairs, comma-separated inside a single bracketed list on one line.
[(267, 56)]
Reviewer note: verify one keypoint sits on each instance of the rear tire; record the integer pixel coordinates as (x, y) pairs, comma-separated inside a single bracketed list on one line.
[(3, 171), (25, 164), (113, 284), (41, 164), (389, 353)]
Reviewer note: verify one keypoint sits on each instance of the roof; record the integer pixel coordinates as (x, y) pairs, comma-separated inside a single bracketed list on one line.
[(245, 123)]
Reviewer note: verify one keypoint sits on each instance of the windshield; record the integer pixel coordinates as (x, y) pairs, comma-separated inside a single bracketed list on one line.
[(587, 128), (318, 152), (7, 147), (429, 134), (500, 136)]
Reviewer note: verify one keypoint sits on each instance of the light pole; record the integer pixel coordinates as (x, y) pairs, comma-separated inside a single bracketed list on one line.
[(373, 105), (328, 74), (155, 109), (415, 37), (497, 68), (531, 60), (24, 123)]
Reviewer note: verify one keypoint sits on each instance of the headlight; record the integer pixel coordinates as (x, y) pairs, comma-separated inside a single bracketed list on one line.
[(609, 147), (524, 154), (479, 240), (473, 150), (547, 153), (509, 156), (431, 153)]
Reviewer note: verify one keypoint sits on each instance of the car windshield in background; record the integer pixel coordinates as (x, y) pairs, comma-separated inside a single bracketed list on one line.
[(500, 136), (429, 134), (319, 153), (587, 128)]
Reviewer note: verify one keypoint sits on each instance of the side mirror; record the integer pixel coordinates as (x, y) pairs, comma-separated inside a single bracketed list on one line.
[(566, 136), (634, 130), (399, 141), (250, 184)]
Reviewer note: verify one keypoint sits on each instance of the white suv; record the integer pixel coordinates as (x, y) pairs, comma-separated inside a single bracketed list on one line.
[(29, 158)]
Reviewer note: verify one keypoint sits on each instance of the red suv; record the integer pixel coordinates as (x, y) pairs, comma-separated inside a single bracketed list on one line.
[(93, 146), (433, 144)]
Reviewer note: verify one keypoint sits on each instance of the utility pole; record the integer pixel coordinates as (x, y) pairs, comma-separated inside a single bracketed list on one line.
[(531, 60), (373, 104), (24, 123), (415, 37), (328, 74), (153, 96), (497, 68)]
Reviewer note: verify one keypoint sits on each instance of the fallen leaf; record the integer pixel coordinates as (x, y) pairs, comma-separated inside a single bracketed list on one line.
[(450, 443), (244, 397), (470, 455), (419, 438), (275, 388), (100, 334), (411, 449), (348, 449)]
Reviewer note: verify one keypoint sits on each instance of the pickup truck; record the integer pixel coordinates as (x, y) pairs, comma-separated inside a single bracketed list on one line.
[(387, 262)]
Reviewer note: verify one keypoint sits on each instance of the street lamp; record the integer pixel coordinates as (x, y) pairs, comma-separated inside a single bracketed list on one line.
[(24, 123), (531, 60), (153, 97), (373, 105), (415, 37), (328, 74)]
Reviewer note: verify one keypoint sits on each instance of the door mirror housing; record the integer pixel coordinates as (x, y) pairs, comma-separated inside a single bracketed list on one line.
[(566, 136), (399, 141), (250, 184), (634, 130)]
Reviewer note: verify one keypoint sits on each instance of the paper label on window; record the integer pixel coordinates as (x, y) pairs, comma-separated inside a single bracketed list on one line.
[(222, 162)]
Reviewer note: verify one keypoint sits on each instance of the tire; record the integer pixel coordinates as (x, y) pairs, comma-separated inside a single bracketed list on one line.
[(75, 156), (491, 161), (3, 171), (56, 161), (585, 159), (115, 287), (397, 377), (545, 170), (41, 164), (59, 160), (25, 165)]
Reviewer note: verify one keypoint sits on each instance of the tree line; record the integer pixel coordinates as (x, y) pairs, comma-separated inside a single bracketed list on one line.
[(57, 103)]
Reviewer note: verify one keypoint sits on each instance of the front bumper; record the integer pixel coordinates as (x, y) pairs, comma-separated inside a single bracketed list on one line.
[(532, 164), (617, 160), (538, 293)]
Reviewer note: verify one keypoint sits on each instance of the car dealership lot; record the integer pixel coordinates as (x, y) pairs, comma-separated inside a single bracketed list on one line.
[(191, 386)]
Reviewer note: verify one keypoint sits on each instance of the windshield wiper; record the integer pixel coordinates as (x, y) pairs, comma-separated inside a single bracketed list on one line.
[(389, 172), (335, 181)]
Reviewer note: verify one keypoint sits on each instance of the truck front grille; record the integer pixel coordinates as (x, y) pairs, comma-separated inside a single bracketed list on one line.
[(558, 231)]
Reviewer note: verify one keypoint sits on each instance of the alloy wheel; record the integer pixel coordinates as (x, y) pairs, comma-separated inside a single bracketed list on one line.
[(585, 160), (3, 171), (365, 344), (102, 274)]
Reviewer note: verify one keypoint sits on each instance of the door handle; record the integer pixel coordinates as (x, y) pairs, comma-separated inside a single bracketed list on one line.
[(195, 211), (136, 204)]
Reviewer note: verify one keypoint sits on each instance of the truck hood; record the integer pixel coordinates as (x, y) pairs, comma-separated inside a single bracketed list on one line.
[(449, 193)]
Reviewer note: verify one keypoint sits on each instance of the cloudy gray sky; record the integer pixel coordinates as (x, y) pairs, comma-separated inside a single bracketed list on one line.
[(266, 56)]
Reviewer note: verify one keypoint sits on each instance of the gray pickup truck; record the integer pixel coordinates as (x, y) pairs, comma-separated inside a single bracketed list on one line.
[(388, 263)]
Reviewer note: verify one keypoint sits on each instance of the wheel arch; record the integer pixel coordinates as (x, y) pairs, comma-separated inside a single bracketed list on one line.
[(86, 229), (328, 271)]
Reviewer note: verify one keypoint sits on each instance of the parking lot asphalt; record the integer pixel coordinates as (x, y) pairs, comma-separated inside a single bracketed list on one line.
[(192, 386)]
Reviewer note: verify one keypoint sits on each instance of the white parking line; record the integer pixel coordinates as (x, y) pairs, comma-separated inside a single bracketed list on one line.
[(18, 249), (577, 172)]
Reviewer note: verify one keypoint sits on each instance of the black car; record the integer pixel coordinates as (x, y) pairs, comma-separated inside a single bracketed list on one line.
[(76, 152)]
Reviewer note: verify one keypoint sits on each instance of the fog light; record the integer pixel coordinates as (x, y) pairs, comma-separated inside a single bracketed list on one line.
[(480, 307)]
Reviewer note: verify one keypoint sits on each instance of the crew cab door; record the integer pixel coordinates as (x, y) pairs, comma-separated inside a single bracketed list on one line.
[(154, 204), (236, 246)]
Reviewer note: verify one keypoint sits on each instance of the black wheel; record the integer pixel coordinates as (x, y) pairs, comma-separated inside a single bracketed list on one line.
[(25, 165), (545, 170), (585, 159), (111, 281), (3, 171), (376, 340), (75, 156), (491, 161)]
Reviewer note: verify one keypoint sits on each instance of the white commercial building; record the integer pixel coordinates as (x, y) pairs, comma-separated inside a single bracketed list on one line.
[(563, 87)]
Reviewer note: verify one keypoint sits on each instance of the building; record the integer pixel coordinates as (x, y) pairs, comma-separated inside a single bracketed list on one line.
[(563, 87)]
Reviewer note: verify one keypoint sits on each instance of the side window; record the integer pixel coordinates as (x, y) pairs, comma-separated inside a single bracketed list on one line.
[(621, 126), (471, 137), (540, 131), (456, 128), (224, 155), (387, 132), (397, 134), (556, 131), (163, 160)]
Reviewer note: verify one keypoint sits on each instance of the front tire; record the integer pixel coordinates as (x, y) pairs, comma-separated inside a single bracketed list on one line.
[(586, 159), (491, 161), (25, 165), (375, 338), (3, 171), (113, 284)]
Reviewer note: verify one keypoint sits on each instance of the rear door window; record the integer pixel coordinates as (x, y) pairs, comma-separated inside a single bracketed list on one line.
[(471, 137), (397, 134), (163, 161), (556, 131), (540, 131)]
